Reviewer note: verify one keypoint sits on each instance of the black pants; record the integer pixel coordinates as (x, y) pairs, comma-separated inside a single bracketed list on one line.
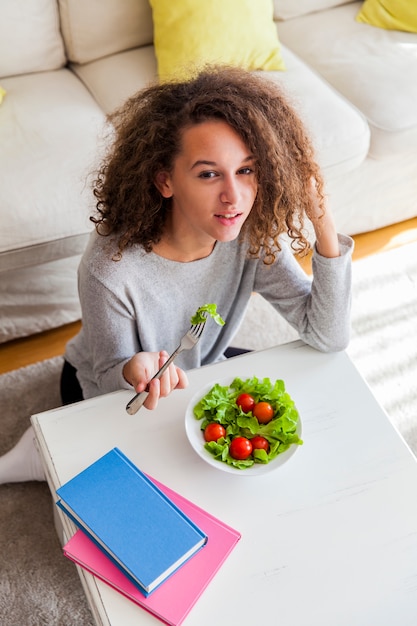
[(70, 387), (231, 352)]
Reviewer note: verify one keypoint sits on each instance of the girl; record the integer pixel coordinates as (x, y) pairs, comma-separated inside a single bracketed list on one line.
[(202, 198)]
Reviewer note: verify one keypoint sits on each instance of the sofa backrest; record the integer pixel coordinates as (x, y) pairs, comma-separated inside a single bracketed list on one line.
[(30, 37), (287, 9), (93, 29), (42, 35)]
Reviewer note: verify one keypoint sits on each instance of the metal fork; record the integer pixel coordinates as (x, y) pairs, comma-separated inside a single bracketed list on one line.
[(187, 342)]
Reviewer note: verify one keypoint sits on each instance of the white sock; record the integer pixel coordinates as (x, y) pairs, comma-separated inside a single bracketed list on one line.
[(22, 463)]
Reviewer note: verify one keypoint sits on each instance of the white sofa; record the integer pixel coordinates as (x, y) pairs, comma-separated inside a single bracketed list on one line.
[(66, 63)]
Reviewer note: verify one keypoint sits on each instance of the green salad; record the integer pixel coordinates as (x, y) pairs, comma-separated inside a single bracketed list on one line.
[(207, 309), (251, 421)]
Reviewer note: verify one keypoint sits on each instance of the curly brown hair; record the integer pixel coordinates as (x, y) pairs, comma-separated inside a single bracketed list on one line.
[(147, 138)]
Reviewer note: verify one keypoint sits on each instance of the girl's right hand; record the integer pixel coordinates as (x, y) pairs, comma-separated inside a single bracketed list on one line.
[(138, 372)]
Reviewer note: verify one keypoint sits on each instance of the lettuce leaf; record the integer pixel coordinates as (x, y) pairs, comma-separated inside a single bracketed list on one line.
[(207, 309), (219, 405)]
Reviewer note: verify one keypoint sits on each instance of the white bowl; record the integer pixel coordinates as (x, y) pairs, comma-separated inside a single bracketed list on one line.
[(196, 438)]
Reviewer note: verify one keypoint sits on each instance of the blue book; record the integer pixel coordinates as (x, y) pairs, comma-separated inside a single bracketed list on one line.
[(143, 532)]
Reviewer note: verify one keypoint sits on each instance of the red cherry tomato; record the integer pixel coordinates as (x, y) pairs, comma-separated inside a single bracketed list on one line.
[(263, 412), (240, 448), (214, 431), (246, 402), (260, 443)]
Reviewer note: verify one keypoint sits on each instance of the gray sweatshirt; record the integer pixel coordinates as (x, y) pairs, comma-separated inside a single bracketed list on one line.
[(144, 302)]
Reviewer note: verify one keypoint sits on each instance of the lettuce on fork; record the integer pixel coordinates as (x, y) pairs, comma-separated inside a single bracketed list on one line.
[(207, 309)]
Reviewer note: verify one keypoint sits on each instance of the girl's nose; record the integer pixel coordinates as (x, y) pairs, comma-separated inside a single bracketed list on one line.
[(230, 192)]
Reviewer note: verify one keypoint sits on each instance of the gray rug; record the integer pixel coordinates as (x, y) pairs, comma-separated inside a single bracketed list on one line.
[(38, 586)]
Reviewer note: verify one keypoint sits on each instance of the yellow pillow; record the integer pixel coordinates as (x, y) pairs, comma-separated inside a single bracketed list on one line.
[(2, 94), (390, 14), (189, 34)]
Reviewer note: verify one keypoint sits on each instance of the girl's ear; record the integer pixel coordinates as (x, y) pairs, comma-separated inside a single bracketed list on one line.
[(163, 184)]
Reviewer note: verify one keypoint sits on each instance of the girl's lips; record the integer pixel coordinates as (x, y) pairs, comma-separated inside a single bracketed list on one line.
[(228, 219)]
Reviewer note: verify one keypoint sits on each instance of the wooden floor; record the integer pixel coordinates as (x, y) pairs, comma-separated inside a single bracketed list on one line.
[(26, 351)]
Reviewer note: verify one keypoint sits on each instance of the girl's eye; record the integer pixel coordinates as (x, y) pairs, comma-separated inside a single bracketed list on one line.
[(246, 170), (207, 174)]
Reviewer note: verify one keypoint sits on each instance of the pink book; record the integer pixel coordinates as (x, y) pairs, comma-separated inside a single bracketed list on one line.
[(172, 601)]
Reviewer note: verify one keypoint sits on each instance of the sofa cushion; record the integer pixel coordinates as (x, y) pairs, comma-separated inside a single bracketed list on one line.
[(92, 31), (339, 132), (190, 34), (30, 38), (49, 128), (390, 14), (374, 69), (113, 79), (287, 9)]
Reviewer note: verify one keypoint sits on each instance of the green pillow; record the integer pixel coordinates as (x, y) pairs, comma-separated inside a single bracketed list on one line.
[(192, 33), (390, 14)]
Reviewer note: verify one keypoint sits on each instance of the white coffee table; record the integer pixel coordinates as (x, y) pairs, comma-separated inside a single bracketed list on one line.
[(328, 539)]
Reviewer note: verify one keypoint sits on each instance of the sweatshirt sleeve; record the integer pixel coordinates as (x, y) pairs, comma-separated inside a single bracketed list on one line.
[(318, 307), (107, 340)]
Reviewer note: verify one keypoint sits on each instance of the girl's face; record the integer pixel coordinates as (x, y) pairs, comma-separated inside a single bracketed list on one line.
[(212, 186)]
